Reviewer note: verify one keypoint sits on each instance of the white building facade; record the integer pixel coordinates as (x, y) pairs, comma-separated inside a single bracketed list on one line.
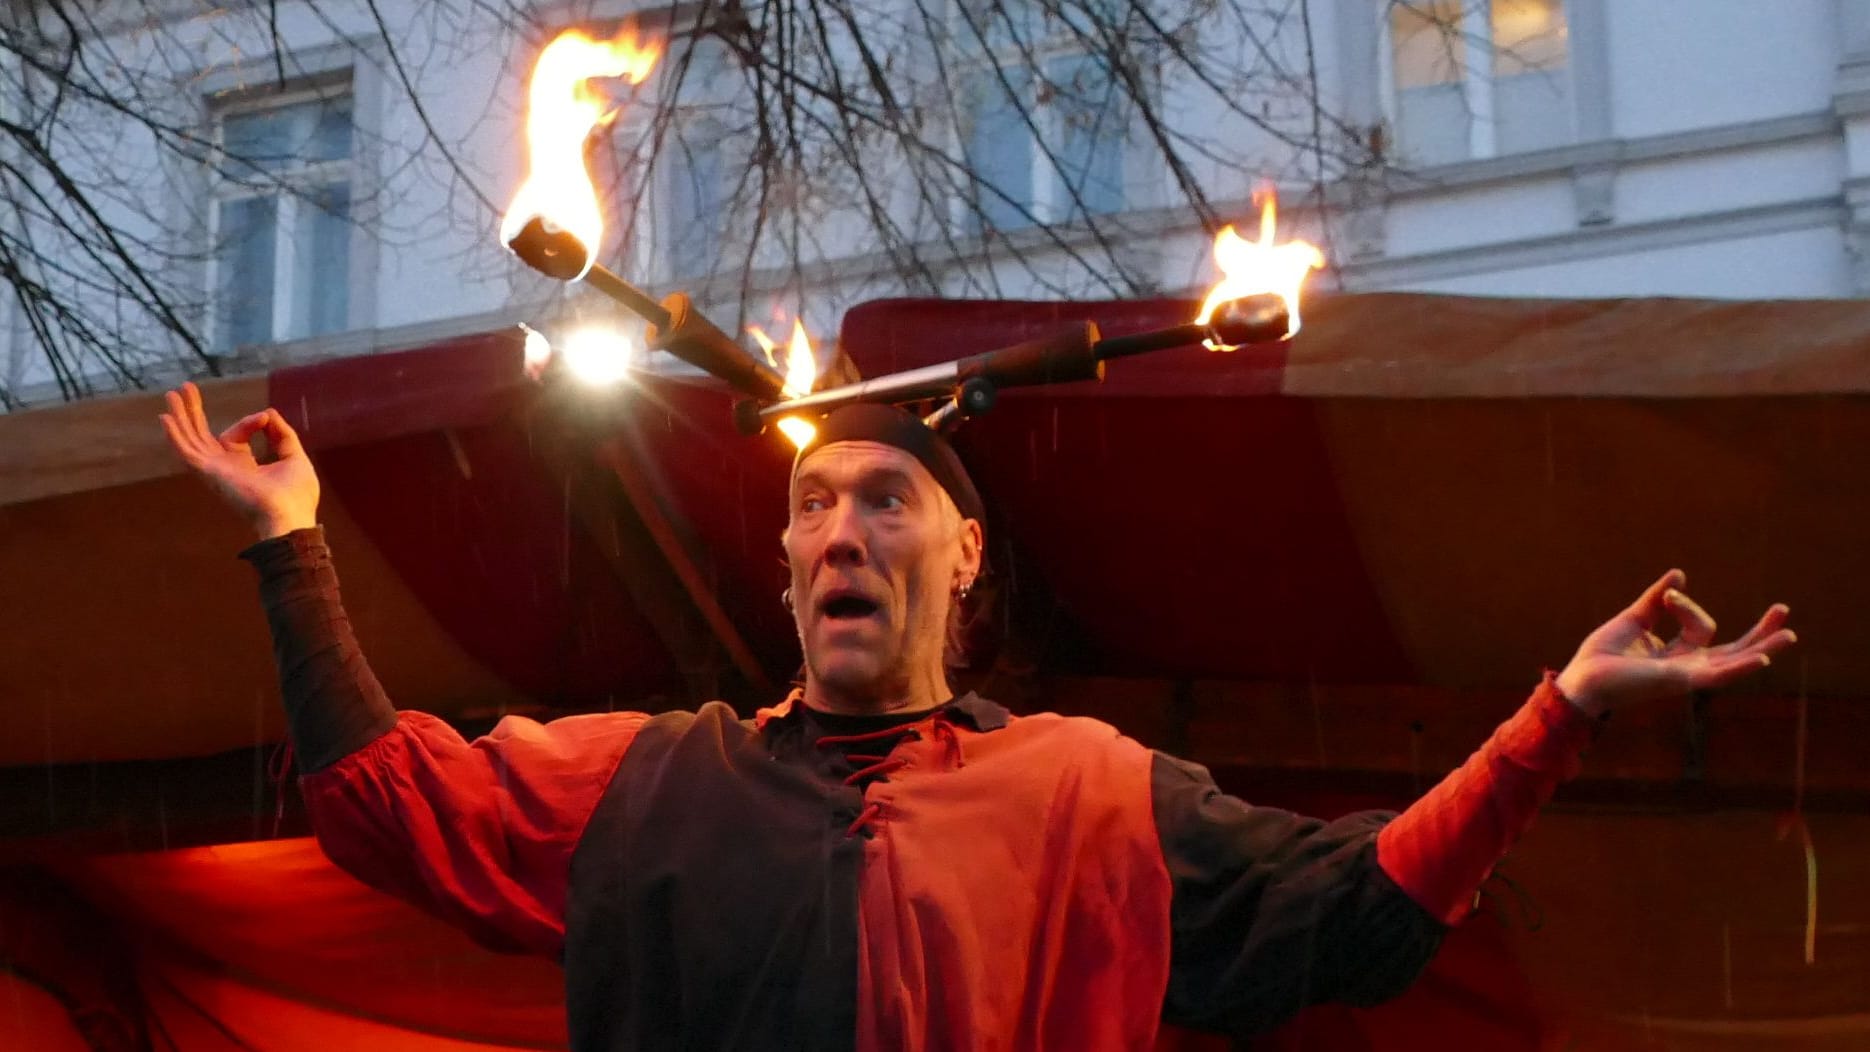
[(1548, 148)]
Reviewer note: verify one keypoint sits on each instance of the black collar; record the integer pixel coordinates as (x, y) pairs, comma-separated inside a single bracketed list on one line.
[(970, 708), (984, 715)]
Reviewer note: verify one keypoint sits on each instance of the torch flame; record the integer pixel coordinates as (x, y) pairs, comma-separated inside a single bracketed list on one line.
[(801, 373), (561, 110), (1255, 268)]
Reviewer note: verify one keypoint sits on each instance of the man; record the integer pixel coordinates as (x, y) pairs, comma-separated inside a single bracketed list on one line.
[(874, 863)]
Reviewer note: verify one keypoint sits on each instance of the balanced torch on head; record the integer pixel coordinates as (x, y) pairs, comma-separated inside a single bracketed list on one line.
[(970, 384), (675, 325)]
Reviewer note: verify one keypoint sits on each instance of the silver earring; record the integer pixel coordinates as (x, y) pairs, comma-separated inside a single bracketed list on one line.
[(786, 597), (961, 592)]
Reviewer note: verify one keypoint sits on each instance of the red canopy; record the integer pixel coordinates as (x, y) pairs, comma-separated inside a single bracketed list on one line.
[(1325, 569)]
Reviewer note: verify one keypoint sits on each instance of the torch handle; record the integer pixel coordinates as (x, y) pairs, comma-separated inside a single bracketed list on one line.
[(690, 336), (607, 282), (1145, 342), (1071, 354), (1061, 357)]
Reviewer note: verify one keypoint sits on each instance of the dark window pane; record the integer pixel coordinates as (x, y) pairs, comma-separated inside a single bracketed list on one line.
[(1088, 113), (321, 263), (697, 196), (329, 137), (285, 137), (997, 145), (244, 300)]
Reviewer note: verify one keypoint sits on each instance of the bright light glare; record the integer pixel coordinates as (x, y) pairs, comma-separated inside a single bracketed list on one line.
[(538, 351), (600, 355), (799, 430)]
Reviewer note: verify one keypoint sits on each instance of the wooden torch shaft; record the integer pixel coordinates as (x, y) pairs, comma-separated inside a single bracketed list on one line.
[(636, 300)]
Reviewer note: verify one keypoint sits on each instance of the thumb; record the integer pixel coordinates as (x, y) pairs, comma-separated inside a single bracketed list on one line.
[(281, 436)]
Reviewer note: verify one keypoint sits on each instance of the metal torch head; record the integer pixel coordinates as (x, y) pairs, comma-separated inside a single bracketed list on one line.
[(551, 251), (1250, 320)]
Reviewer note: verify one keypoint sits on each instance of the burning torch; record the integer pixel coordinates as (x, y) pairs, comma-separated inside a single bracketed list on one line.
[(1256, 302), (555, 223)]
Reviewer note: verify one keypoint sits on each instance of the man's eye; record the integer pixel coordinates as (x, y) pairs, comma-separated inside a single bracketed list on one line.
[(812, 504), (891, 502)]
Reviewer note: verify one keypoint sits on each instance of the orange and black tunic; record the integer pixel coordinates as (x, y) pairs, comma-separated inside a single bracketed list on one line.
[(954, 879)]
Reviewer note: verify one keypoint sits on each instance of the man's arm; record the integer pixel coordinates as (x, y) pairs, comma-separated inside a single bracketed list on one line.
[(1446, 844), (478, 833), (1273, 912)]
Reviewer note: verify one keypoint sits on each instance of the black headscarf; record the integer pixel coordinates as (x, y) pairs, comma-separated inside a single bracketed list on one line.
[(890, 426)]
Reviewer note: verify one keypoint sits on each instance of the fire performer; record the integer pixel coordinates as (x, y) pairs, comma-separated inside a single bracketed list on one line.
[(874, 863)]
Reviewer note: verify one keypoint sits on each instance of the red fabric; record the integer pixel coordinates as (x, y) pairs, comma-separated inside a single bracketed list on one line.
[(481, 533), (1073, 954), (276, 921), (431, 452), (479, 834), (1269, 579), (458, 383), (1443, 847), (1474, 995)]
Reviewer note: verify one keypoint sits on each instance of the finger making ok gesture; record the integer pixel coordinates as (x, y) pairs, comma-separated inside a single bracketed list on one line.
[(276, 496), (1627, 662)]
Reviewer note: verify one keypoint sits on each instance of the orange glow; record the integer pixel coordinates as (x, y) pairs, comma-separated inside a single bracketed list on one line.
[(561, 110), (1252, 268), (801, 372)]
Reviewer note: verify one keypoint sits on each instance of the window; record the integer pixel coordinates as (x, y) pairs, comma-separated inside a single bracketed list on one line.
[(679, 152), (281, 220), (697, 195), (1041, 123), (1478, 78)]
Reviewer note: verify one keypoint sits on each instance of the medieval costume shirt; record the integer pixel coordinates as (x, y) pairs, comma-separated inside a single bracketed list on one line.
[(960, 878)]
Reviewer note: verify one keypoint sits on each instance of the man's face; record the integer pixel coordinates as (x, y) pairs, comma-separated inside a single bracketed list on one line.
[(877, 550)]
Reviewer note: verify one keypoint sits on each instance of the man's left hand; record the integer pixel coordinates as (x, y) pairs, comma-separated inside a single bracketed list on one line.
[(1626, 663)]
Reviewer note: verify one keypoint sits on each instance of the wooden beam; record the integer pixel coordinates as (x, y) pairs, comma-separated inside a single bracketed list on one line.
[(660, 520), (232, 797), (146, 805), (638, 563), (1724, 750)]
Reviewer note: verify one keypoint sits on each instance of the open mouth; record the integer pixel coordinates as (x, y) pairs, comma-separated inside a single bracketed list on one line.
[(846, 606)]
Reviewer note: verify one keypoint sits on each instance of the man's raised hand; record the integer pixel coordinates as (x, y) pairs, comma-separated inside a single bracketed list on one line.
[(276, 497), (1625, 662)]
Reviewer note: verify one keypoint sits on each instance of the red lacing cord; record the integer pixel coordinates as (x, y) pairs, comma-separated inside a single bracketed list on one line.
[(869, 736), (878, 766), (864, 818), (874, 766), (946, 732)]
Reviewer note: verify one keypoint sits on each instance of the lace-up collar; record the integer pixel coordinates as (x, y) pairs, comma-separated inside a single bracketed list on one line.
[(969, 709)]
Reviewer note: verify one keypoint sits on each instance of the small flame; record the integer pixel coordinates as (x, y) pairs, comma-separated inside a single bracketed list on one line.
[(801, 372), (561, 110), (1253, 268)]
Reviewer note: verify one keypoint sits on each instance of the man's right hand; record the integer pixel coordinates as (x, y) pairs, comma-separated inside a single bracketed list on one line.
[(275, 497)]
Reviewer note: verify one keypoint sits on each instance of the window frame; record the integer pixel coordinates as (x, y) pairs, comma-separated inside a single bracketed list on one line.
[(294, 185), (1477, 88), (1049, 198), (652, 248)]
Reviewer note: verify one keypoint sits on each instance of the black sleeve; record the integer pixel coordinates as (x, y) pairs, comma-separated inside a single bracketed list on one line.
[(1273, 911), (334, 704)]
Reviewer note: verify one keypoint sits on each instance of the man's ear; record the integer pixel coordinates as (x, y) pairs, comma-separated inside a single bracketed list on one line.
[(970, 539)]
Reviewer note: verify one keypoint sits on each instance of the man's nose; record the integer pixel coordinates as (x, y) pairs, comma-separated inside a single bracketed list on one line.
[(844, 541)]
